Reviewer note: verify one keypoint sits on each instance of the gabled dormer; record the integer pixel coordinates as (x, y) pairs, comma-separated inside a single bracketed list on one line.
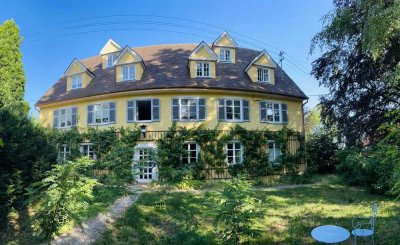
[(225, 48), (78, 76), (202, 62), (262, 69), (109, 53), (129, 65)]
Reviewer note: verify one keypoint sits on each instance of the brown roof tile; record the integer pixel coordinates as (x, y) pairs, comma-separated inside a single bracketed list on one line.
[(166, 67)]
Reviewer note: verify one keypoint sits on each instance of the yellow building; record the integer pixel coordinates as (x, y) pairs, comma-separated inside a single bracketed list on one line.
[(191, 84)]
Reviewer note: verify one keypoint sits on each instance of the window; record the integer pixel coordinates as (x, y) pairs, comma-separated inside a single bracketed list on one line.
[(273, 151), (143, 110), (146, 168), (110, 60), (262, 74), (76, 81), (65, 118), (203, 69), (192, 151), (234, 110), (225, 55), (64, 153), (102, 113), (128, 72), (233, 152), (87, 150), (144, 154), (273, 112), (188, 109)]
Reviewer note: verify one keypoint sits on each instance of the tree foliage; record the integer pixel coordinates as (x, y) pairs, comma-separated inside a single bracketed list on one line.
[(12, 76), (360, 67)]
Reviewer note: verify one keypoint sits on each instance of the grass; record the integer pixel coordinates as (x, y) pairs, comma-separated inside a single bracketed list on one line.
[(288, 216), (20, 229)]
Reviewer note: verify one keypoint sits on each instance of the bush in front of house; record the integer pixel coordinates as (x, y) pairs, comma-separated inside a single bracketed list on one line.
[(321, 149)]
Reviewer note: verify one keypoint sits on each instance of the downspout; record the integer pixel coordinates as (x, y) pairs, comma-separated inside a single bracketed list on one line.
[(304, 130)]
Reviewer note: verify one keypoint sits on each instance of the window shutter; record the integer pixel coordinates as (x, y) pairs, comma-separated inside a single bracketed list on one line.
[(90, 114), (284, 113), (130, 111), (112, 112), (175, 109), (221, 109), (74, 116), (156, 110), (263, 111), (55, 118), (246, 110), (202, 109)]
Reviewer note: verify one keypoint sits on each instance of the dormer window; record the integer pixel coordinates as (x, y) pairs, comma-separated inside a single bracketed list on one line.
[(262, 75), (128, 72), (110, 60), (225, 55), (203, 69), (76, 81)]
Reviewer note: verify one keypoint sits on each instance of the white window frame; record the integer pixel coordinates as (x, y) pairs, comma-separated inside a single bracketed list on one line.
[(110, 60), (196, 99), (65, 152), (102, 110), (261, 76), (201, 69), (139, 152), (275, 153), (223, 57), (68, 115), (233, 107), (188, 150), (130, 72), (76, 81), (86, 152), (273, 103), (135, 116), (234, 142)]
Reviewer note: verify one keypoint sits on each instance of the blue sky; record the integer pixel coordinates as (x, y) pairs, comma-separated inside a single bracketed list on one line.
[(55, 32)]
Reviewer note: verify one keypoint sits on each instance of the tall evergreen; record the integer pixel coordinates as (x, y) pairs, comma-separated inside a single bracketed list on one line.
[(12, 76)]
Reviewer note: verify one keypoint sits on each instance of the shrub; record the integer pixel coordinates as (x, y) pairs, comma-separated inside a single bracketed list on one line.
[(350, 167), (234, 219), (321, 150), (63, 196)]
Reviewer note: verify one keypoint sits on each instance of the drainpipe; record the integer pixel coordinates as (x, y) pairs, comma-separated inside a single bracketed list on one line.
[(304, 130)]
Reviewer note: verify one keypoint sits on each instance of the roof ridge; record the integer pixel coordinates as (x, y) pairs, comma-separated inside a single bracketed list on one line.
[(165, 44)]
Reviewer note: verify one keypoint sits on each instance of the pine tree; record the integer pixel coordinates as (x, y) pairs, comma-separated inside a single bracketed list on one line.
[(12, 76)]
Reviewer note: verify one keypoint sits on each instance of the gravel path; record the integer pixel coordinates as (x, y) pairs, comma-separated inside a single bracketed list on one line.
[(90, 230)]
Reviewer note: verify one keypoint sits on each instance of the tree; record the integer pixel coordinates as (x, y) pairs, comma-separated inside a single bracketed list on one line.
[(360, 67), (312, 121), (12, 76)]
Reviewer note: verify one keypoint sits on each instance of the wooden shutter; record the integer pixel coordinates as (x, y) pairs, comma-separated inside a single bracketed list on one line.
[(221, 109), (130, 111), (56, 117), (156, 110), (263, 111), (112, 112), (74, 116), (202, 109), (246, 110), (284, 108), (175, 109), (90, 114)]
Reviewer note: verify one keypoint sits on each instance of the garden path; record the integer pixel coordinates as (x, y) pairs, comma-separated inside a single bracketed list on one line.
[(90, 230)]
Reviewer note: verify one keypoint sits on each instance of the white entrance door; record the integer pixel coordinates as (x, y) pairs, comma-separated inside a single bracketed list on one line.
[(144, 167)]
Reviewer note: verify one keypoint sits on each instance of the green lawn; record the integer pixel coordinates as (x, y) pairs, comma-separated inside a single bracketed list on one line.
[(288, 216)]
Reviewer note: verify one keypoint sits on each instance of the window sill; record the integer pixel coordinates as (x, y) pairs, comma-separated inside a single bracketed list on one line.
[(100, 124), (125, 81)]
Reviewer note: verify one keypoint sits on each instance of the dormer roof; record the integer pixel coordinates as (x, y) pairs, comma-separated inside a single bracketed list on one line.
[(265, 54), (130, 51), (203, 45), (110, 47), (76, 63), (225, 35)]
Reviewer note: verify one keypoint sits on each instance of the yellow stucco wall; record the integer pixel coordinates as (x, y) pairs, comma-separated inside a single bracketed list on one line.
[(139, 68), (86, 79), (104, 59), (233, 53), (202, 53), (294, 111), (193, 70), (253, 74), (109, 48), (225, 42)]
